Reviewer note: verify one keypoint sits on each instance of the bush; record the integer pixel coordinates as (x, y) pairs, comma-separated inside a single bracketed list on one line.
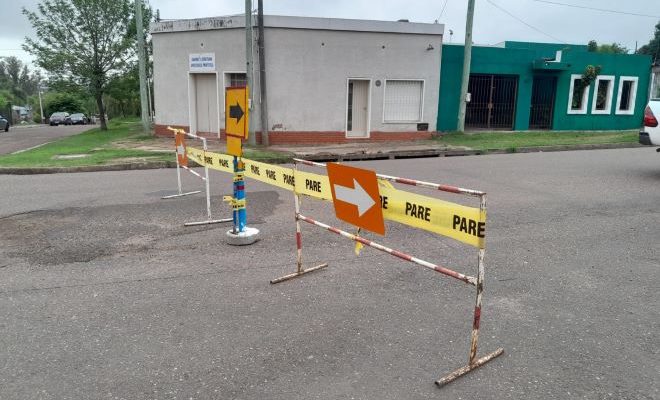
[(56, 102)]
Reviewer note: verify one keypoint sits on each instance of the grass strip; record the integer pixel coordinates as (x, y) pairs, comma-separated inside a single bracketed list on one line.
[(514, 140), (94, 143)]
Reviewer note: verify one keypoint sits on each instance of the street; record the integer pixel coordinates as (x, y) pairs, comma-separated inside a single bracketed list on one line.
[(26, 137), (106, 295)]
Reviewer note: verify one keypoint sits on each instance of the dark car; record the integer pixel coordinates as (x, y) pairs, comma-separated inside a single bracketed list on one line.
[(4, 124), (58, 118), (76, 119)]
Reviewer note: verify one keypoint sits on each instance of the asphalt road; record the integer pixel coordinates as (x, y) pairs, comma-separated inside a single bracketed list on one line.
[(105, 295), (25, 137)]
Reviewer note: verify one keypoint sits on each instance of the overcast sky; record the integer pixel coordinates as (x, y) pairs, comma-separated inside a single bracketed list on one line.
[(532, 20)]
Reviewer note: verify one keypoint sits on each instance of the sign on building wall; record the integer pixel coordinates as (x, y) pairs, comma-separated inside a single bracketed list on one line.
[(204, 62)]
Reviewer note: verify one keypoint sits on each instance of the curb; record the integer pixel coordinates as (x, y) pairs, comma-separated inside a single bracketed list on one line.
[(393, 155), (321, 157)]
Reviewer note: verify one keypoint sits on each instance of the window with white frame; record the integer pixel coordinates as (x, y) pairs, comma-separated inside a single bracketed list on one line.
[(625, 99), (603, 89), (578, 94), (403, 100)]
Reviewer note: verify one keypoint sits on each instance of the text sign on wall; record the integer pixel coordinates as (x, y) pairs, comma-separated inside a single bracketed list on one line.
[(204, 62)]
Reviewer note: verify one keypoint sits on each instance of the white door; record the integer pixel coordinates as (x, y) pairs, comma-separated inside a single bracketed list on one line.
[(357, 115), (206, 103)]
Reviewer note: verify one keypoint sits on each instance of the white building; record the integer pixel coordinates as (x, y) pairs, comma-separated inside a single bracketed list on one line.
[(328, 80)]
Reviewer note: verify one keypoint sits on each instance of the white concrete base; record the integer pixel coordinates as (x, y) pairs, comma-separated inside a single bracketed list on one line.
[(248, 236)]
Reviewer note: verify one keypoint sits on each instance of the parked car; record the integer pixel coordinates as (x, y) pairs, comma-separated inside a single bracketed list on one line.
[(650, 133), (58, 118), (4, 123), (77, 118)]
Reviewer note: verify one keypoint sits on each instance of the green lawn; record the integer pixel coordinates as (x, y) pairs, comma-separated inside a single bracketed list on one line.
[(102, 148), (95, 143), (514, 140)]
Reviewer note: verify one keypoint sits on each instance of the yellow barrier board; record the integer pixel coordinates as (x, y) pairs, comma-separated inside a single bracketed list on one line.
[(459, 222), (271, 174), (197, 155)]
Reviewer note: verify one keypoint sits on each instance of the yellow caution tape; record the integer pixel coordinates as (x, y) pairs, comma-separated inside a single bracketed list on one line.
[(358, 246), (462, 223), (465, 224)]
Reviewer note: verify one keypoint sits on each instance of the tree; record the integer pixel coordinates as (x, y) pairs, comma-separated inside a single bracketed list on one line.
[(86, 41), (614, 48), (16, 78), (56, 102), (653, 47)]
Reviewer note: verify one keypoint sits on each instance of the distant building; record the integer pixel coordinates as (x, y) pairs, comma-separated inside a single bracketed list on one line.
[(521, 86), (19, 114), (329, 80)]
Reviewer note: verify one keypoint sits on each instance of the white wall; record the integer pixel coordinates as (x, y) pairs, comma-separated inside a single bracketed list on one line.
[(307, 73)]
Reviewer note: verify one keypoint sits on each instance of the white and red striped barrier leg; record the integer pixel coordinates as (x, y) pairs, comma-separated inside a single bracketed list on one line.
[(207, 185), (437, 268), (178, 180), (473, 362), (299, 270)]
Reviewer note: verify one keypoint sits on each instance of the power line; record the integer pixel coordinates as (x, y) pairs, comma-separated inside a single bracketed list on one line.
[(443, 9), (525, 23), (597, 9)]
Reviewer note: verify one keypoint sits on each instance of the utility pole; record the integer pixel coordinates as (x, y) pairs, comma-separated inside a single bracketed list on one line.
[(144, 107), (262, 75), (467, 58), (248, 67), (41, 106)]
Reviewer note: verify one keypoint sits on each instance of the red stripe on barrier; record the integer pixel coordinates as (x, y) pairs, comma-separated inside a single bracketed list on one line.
[(363, 240), (335, 230), (401, 255), (406, 181), (451, 189), (477, 317), (299, 240), (240, 187)]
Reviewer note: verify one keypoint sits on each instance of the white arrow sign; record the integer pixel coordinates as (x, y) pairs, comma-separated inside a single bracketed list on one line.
[(355, 195)]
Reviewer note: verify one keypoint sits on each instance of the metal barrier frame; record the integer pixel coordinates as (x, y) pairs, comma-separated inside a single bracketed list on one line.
[(478, 281), (204, 178)]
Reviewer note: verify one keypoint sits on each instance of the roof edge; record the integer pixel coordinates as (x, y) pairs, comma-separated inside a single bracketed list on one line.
[(290, 22)]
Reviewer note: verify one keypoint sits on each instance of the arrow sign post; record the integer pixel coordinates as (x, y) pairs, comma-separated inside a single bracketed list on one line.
[(236, 111), (356, 197)]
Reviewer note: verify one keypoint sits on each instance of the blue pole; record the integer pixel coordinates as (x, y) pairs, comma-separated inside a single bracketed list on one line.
[(239, 214)]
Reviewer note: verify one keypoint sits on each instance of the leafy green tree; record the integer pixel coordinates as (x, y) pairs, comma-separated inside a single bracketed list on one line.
[(66, 102), (16, 77), (614, 48), (653, 47), (86, 41)]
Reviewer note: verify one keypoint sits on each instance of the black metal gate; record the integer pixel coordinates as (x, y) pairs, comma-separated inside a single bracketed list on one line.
[(492, 101), (543, 102)]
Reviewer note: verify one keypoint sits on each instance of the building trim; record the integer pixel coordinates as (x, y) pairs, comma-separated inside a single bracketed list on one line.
[(289, 22), (310, 137), (633, 95), (610, 91), (585, 97)]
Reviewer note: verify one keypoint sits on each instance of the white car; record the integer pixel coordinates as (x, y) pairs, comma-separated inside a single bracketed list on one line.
[(650, 133)]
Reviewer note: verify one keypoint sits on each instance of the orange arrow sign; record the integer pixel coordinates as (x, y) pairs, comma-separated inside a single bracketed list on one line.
[(355, 197), (181, 154)]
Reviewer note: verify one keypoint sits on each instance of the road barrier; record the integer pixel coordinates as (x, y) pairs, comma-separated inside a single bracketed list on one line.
[(465, 224), (462, 223), (182, 155)]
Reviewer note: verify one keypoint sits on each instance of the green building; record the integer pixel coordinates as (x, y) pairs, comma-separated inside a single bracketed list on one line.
[(527, 86)]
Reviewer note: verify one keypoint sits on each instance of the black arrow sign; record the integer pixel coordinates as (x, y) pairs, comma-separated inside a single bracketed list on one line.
[(236, 112)]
